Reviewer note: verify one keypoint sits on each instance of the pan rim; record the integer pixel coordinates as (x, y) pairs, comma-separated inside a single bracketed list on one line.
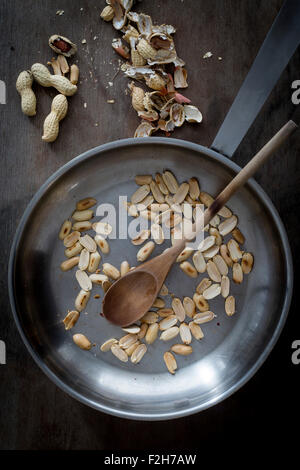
[(128, 414)]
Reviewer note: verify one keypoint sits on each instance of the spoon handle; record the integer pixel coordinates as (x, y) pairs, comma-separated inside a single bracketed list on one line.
[(237, 182), (255, 163)]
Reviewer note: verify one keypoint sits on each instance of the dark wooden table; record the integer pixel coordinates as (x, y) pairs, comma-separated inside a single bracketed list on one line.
[(35, 414)]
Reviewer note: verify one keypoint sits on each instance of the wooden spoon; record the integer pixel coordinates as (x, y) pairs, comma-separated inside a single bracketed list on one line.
[(131, 296)]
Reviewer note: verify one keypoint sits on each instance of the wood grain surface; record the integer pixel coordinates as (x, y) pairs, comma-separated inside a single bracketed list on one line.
[(34, 413)]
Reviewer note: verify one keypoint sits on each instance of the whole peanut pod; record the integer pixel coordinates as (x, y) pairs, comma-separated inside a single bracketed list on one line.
[(28, 99), (42, 75), (59, 110)]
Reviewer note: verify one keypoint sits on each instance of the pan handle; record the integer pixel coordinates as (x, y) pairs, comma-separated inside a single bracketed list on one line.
[(278, 47)]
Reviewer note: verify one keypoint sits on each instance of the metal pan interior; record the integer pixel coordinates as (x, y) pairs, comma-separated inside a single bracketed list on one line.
[(233, 347)]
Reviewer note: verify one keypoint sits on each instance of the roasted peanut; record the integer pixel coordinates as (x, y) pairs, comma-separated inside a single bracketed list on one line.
[(189, 306), (152, 333), (201, 302), (74, 74), (182, 349), (71, 319), (55, 66), (83, 215), (63, 64), (85, 203), (143, 179), (69, 263), (108, 344), (124, 268), (170, 362), (247, 263), (82, 341), (188, 269), (196, 330), (65, 230), (82, 226), (159, 303), (94, 262), (82, 299), (230, 305), (71, 239), (145, 251), (73, 250), (138, 353), (102, 243), (111, 271)]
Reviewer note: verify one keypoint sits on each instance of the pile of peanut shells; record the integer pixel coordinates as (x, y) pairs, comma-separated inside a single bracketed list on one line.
[(162, 201), (65, 86), (151, 59)]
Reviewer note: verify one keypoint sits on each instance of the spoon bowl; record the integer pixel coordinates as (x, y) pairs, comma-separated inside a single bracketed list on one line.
[(130, 298)]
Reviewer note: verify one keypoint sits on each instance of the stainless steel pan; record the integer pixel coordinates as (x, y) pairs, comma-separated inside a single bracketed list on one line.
[(232, 349)]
